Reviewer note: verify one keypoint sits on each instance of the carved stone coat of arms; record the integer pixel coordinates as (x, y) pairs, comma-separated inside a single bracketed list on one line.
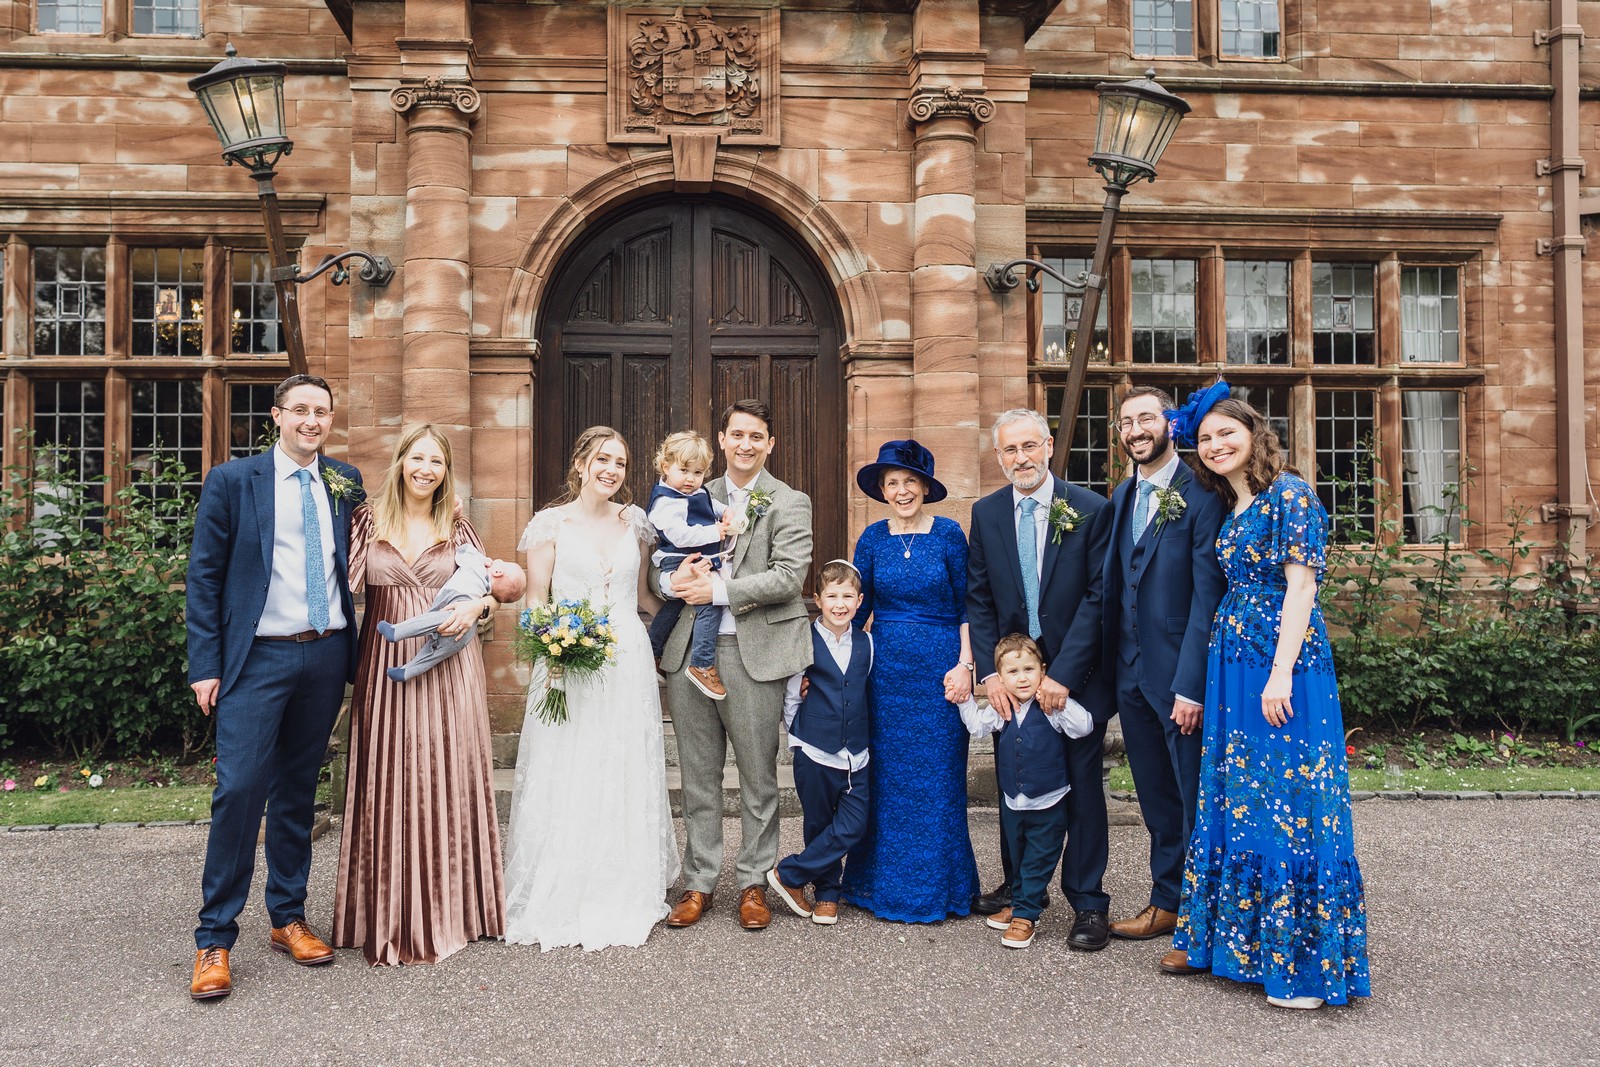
[(672, 72)]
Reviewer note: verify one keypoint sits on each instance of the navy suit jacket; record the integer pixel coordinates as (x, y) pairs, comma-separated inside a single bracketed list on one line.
[(230, 565), (1069, 635), (1179, 584)]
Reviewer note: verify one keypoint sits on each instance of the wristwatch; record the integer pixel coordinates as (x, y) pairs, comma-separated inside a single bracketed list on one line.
[(484, 614), (969, 665)]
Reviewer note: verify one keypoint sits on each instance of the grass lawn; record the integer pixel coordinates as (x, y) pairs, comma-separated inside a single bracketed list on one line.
[(1489, 779), (169, 804)]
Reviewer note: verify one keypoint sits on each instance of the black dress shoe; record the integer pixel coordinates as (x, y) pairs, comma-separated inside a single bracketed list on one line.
[(993, 902), (1091, 932)]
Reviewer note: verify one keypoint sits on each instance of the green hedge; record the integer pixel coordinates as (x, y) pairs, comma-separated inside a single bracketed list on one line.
[(93, 658), (1463, 638)]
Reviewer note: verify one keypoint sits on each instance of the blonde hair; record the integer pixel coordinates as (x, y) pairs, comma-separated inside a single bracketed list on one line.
[(583, 450), (685, 448), (389, 506), (1012, 643)]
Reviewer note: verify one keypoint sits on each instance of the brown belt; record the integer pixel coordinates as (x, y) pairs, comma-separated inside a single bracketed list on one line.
[(303, 635)]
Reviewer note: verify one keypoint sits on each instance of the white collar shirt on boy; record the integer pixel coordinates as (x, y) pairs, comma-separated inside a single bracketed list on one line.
[(840, 648), (1072, 720)]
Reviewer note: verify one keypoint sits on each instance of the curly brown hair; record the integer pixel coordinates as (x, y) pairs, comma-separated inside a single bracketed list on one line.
[(1266, 460), (583, 450)]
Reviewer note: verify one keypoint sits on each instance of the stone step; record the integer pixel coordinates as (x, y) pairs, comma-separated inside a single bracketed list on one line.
[(982, 790)]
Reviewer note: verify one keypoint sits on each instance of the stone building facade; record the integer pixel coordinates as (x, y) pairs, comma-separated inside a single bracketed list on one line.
[(634, 213)]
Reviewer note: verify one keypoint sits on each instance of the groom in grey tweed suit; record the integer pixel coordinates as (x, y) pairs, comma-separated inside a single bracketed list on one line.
[(762, 642)]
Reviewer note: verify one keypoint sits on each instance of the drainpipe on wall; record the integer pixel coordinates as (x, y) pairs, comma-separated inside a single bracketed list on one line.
[(1571, 511)]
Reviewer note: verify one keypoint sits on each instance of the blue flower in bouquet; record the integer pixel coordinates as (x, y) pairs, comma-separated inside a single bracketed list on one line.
[(570, 637)]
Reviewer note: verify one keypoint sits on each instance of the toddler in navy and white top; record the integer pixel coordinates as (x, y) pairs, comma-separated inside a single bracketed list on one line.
[(688, 519), (1030, 757)]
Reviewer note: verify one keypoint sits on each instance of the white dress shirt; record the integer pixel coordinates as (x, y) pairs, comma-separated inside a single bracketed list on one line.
[(840, 648), (1072, 720), (286, 612)]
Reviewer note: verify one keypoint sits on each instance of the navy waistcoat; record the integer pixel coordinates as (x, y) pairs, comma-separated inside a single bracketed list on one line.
[(700, 512), (1130, 560), (1031, 759), (833, 716)]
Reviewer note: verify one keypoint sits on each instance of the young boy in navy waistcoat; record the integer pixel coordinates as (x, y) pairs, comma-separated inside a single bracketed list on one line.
[(828, 730), (1031, 763), (688, 519)]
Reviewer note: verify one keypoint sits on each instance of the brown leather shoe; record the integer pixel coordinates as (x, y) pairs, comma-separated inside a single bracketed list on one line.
[(794, 898), (689, 908), (1000, 920), (1019, 934), (212, 978), (1150, 923), (753, 911), (302, 946), (708, 681), (825, 912), (1177, 962)]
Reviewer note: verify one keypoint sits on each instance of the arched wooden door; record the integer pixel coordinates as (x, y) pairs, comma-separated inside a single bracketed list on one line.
[(675, 308)]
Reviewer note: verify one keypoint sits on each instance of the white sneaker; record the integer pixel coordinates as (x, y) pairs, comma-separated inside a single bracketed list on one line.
[(1301, 1003)]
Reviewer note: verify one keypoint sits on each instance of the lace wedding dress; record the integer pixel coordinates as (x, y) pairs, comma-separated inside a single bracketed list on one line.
[(591, 849)]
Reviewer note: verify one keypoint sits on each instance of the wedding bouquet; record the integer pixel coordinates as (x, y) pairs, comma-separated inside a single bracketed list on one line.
[(571, 638)]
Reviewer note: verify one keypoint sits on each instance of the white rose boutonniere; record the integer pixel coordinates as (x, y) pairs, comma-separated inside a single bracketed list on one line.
[(1169, 505), (342, 487), (759, 504), (1064, 518)]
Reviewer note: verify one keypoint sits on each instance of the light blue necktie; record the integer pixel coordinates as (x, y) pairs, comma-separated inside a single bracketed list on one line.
[(1028, 556), (1141, 507), (316, 578)]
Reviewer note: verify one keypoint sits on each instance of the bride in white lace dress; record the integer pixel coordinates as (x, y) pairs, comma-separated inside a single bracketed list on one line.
[(591, 849)]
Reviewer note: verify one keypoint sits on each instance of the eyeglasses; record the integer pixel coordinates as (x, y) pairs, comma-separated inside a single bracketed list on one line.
[(1147, 421), (1026, 447), (300, 411)]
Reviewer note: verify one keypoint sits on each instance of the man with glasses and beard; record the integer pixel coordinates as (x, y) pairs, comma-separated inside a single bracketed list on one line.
[(1037, 548), (1161, 585)]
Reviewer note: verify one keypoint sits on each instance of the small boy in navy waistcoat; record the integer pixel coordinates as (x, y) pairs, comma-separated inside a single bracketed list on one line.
[(688, 519), (828, 730), (1031, 763)]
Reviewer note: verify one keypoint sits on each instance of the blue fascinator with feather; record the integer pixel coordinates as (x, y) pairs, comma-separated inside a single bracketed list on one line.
[(1184, 422)]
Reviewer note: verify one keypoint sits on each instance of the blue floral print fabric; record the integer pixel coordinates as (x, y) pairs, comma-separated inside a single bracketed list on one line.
[(1272, 891)]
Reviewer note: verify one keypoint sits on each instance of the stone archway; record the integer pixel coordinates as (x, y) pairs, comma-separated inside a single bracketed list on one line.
[(672, 307)]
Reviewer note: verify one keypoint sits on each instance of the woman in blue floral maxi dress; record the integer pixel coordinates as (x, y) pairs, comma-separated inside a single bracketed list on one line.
[(1272, 891)]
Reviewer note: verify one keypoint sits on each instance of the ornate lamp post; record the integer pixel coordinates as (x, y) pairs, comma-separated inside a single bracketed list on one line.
[(1137, 119), (243, 98)]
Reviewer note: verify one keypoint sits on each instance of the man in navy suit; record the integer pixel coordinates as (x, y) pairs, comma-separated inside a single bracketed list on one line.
[(271, 645), (1161, 586), (1036, 549)]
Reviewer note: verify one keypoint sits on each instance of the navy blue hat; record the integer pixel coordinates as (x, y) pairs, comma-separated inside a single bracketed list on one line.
[(1184, 422), (904, 456)]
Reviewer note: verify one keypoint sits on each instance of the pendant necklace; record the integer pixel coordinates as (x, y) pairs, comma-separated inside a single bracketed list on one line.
[(905, 542)]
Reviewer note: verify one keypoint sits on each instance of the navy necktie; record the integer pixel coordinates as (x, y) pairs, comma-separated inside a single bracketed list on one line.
[(316, 577)]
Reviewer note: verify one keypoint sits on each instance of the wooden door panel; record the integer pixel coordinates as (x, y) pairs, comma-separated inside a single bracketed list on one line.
[(672, 310)]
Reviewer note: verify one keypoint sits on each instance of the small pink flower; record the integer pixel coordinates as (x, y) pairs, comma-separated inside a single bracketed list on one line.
[(63, 789), (10, 784)]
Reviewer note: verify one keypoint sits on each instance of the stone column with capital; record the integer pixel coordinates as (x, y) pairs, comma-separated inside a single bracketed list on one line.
[(944, 282), (437, 274)]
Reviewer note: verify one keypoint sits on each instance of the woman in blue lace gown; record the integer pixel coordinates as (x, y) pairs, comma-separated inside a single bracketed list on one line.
[(1272, 892), (916, 864)]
